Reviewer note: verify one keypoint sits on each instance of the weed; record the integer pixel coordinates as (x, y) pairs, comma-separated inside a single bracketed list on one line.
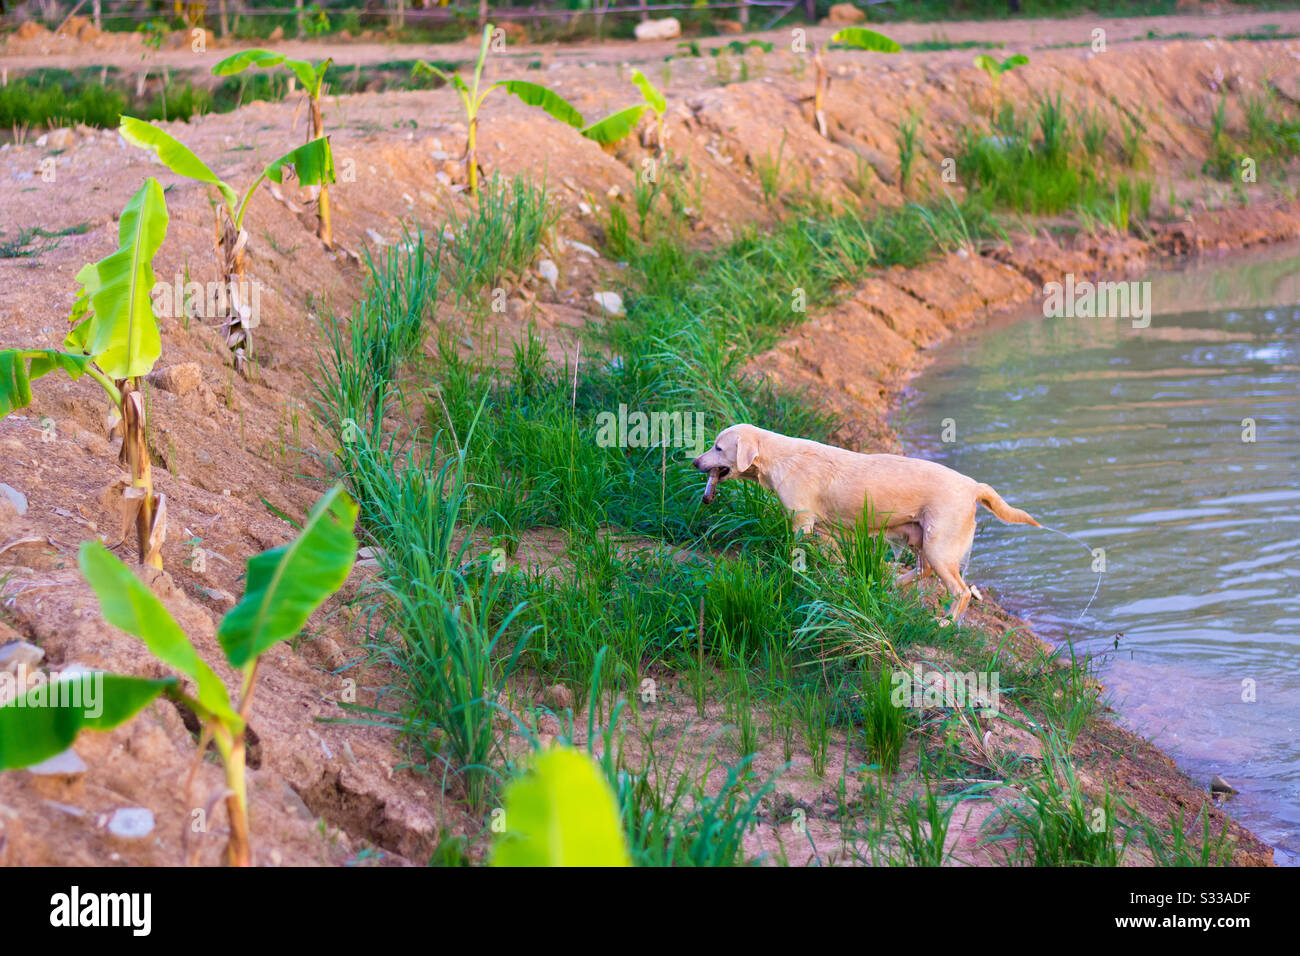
[(907, 149)]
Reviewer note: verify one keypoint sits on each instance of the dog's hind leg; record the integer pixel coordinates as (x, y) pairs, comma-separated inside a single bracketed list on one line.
[(946, 544)]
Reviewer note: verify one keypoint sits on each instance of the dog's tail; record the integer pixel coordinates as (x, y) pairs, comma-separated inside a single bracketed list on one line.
[(993, 501)]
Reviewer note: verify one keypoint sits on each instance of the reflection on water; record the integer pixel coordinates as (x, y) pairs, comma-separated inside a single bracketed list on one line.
[(1132, 440)]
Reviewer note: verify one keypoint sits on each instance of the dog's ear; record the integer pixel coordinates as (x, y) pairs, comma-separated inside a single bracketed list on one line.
[(746, 452)]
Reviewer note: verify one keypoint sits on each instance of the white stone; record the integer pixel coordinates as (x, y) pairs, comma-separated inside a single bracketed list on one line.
[(611, 301), (19, 654), (14, 495), (665, 29), (548, 271), (131, 823), (66, 764)]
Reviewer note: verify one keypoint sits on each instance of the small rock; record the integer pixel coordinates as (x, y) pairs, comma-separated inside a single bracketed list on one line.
[(548, 726), (611, 301), (220, 596), (548, 271), (845, 15), (582, 247), (1219, 785), (294, 804), (66, 764), (178, 379), (19, 654), (331, 654), (558, 698), (665, 29), (614, 192), (16, 498), (131, 823), (60, 138)]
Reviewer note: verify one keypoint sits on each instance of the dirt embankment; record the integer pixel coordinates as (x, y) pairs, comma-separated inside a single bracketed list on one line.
[(226, 448)]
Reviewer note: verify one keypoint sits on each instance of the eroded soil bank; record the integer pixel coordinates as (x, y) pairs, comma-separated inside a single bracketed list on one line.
[(227, 447)]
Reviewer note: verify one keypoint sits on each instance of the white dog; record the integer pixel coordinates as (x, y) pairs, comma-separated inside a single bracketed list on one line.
[(930, 507)]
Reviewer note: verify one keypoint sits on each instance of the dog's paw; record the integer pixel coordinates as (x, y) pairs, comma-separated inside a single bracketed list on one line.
[(975, 593)]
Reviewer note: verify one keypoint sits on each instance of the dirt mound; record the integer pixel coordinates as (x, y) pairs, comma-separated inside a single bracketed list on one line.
[(75, 37)]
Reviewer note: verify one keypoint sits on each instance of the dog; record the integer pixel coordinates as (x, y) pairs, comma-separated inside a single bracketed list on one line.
[(929, 507)]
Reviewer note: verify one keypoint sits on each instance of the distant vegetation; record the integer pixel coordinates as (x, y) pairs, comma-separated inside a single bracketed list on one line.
[(98, 97)]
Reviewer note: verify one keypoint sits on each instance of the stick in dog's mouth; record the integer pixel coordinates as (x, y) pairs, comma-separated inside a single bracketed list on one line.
[(711, 486)]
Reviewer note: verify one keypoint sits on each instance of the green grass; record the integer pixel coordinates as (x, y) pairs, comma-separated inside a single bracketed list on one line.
[(35, 241), (1045, 162), (1057, 824), (499, 236), (98, 97), (907, 149), (937, 44), (1269, 136)]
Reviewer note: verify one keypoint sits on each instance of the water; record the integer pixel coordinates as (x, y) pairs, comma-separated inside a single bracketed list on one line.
[(1132, 440)]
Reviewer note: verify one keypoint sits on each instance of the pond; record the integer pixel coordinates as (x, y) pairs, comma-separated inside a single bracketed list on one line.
[(1169, 448)]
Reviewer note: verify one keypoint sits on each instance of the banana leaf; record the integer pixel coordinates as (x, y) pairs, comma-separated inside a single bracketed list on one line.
[(174, 154), (129, 605), (615, 126), (309, 75), (860, 38), (561, 813), (18, 367), (535, 95), (47, 719), (117, 327), (288, 583), (653, 97)]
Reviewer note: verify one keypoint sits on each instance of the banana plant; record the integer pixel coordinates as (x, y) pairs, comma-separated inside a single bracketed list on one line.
[(995, 69), (472, 96), (314, 165), (312, 77), (284, 587), (115, 341), (655, 100), (852, 38), (561, 812), (619, 125)]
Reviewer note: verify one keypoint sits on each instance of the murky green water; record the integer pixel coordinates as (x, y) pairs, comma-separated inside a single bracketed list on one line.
[(1132, 440)]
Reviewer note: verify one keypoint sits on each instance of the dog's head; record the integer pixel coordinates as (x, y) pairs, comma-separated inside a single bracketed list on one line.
[(734, 453)]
